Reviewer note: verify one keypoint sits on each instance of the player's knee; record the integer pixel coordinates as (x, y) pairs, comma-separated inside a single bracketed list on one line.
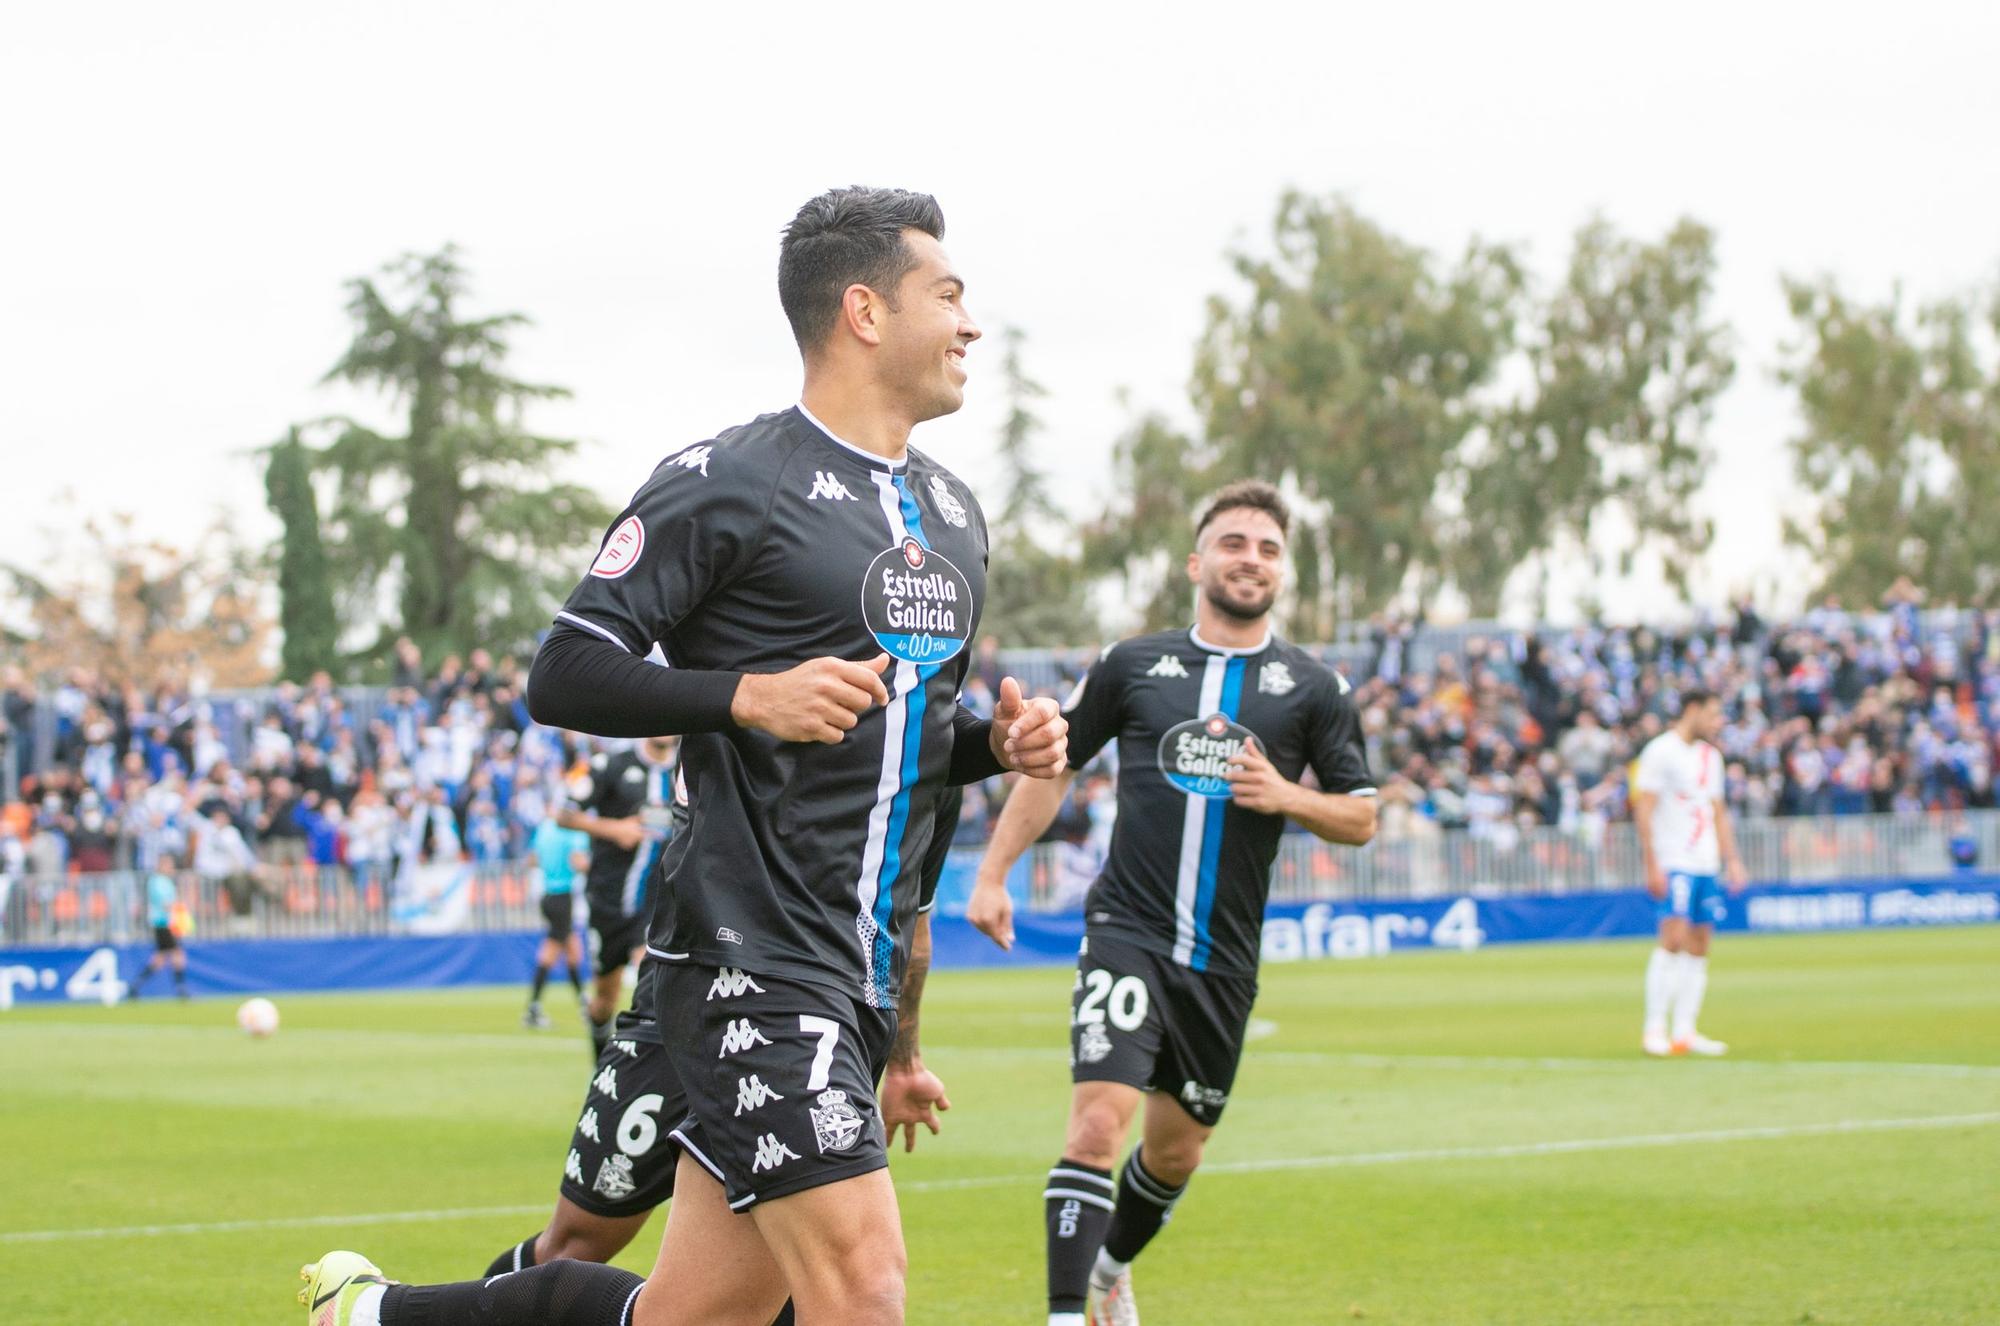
[(1094, 1134), (1173, 1162)]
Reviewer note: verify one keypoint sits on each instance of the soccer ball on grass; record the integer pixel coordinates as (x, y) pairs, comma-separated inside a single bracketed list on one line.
[(258, 1017)]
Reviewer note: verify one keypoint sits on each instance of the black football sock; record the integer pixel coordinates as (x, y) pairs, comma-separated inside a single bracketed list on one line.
[(517, 1258), (180, 980), (541, 980), (1145, 1204), (1079, 1199), (576, 978), (562, 1293)]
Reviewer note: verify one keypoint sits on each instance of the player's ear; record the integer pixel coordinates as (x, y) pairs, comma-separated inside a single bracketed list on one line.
[(1194, 568), (861, 311)]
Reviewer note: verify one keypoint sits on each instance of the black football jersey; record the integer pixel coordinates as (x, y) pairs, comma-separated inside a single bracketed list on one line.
[(1189, 871), (773, 544), (625, 785)]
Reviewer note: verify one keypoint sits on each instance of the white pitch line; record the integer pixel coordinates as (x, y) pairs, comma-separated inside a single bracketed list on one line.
[(1349, 1161)]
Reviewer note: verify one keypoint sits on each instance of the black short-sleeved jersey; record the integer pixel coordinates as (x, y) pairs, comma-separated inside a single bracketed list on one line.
[(1188, 871), (624, 785), (769, 546)]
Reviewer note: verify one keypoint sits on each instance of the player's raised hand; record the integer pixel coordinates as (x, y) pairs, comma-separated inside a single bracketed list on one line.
[(911, 1096), (1029, 736), (991, 911), (1255, 783), (820, 700)]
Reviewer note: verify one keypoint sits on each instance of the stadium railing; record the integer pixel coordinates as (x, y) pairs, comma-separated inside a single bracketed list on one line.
[(309, 902)]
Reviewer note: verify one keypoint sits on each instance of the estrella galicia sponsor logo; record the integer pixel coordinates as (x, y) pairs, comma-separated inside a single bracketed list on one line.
[(1195, 755), (836, 1123), (917, 604)]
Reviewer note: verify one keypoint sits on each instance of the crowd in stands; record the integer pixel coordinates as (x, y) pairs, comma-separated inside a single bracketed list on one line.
[(1896, 710)]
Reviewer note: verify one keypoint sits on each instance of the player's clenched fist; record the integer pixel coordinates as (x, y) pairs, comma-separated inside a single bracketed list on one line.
[(1029, 736), (820, 700)]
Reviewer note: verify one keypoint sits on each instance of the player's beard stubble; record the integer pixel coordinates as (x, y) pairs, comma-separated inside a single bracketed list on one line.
[(1243, 610)]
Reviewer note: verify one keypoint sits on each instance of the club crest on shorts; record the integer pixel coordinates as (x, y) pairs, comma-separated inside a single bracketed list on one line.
[(614, 1178), (836, 1123), (917, 605), (948, 504), (1093, 1044), (1195, 755)]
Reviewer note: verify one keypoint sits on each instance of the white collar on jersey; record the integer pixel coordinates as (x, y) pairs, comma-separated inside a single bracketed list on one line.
[(840, 441), (1194, 634)]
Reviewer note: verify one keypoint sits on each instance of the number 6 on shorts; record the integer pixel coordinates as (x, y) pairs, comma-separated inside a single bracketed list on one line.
[(828, 1032)]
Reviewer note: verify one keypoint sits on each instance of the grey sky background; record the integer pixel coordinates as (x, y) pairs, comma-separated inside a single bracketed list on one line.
[(188, 186)]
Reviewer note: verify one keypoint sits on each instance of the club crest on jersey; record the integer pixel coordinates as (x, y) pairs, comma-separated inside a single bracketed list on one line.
[(621, 551), (1195, 755), (1274, 678), (948, 505), (614, 1178), (836, 1123), (917, 605)]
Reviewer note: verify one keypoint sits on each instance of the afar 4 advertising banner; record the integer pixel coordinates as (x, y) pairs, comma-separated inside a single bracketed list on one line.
[(1298, 932)]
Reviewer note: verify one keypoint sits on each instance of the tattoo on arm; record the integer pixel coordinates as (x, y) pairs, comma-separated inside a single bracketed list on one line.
[(904, 1052)]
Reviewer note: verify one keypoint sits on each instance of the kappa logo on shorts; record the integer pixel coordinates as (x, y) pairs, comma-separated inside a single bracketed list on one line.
[(1093, 1044), (573, 1167), (771, 1153), (587, 1125), (606, 1081), (740, 1036), (752, 1094), (630, 1049), (614, 1178), (1201, 1097), (837, 1124), (730, 982)]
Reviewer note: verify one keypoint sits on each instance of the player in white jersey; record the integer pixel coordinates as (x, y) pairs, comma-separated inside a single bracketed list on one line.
[(1686, 838)]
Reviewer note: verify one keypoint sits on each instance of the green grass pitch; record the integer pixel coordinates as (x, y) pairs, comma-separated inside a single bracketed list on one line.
[(1432, 1137)]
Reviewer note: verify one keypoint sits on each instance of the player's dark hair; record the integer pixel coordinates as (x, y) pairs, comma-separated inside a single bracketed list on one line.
[(1254, 494), (848, 237), (1694, 698)]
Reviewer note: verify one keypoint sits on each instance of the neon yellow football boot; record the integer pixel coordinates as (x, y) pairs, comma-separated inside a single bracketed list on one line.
[(333, 1283)]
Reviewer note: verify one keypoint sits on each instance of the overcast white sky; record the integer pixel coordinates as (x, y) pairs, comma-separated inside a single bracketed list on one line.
[(187, 186)]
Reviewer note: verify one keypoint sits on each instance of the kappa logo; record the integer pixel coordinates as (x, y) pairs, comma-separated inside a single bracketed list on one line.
[(731, 982), (727, 936), (740, 1036), (630, 1049), (830, 487), (1274, 678), (607, 1082), (1168, 666), (771, 1153), (573, 1167), (752, 1094), (1345, 684), (614, 1178), (1093, 1045), (587, 1125), (948, 504), (836, 1123), (694, 458)]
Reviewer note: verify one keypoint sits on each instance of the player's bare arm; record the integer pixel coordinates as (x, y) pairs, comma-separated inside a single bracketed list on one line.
[(911, 1094), (820, 700), (1642, 819), (1725, 837), (1255, 784), (1029, 736), (624, 834), (1031, 807)]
